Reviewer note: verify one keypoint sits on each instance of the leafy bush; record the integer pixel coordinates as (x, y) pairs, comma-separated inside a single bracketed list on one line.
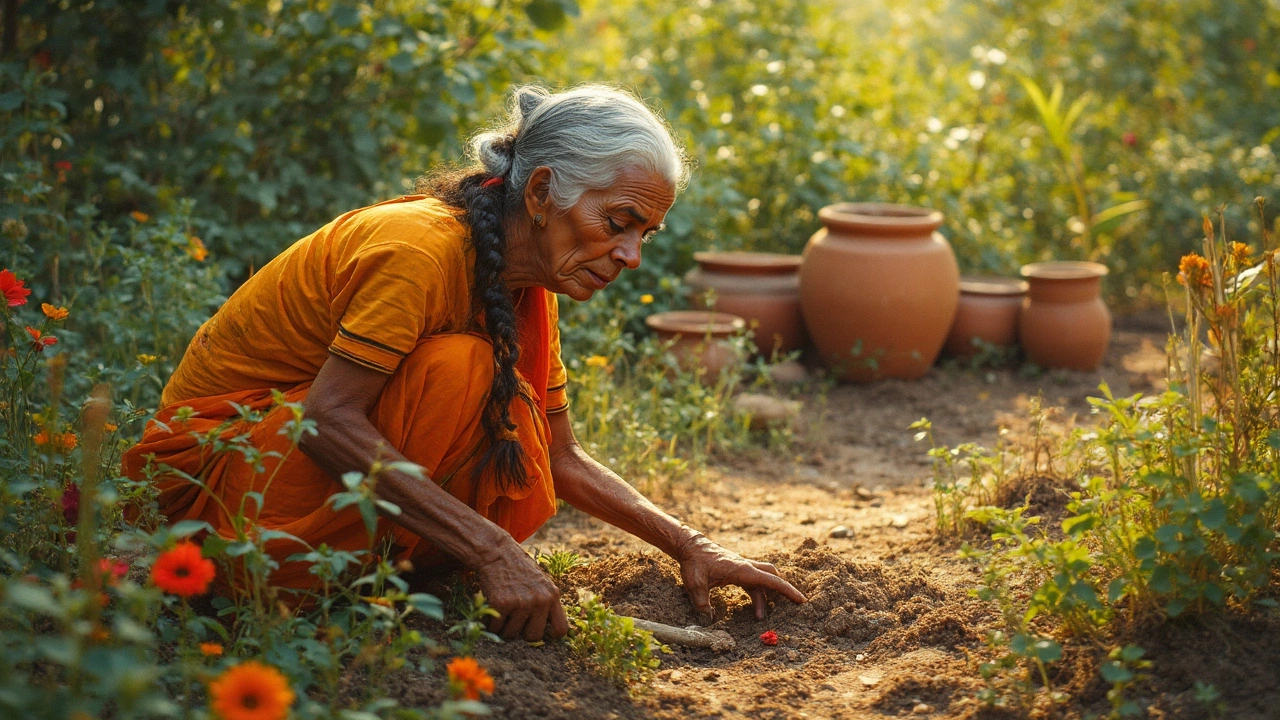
[(616, 648)]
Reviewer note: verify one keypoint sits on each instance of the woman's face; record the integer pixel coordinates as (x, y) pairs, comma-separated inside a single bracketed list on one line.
[(584, 248)]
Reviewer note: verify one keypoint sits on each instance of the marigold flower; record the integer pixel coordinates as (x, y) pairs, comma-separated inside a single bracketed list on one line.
[(1239, 253), (196, 248), (769, 637), (210, 649), (112, 571), (467, 679), (251, 691), (139, 216), (598, 361), (646, 299), (1193, 271), (40, 340), (110, 427), (15, 293), (53, 312), (182, 571)]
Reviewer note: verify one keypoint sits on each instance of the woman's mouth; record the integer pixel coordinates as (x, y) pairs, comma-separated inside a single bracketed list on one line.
[(595, 281)]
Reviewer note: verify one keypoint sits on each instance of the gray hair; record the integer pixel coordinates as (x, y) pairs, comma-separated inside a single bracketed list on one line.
[(587, 136)]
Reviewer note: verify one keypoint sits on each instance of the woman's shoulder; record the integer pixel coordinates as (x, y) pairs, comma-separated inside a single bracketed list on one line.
[(412, 222)]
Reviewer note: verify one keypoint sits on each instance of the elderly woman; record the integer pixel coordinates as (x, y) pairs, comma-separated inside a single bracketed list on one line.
[(425, 329)]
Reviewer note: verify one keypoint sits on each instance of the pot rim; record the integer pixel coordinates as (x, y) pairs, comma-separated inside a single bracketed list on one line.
[(888, 218), (992, 285), (748, 263), (696, 322), (1063, 270)]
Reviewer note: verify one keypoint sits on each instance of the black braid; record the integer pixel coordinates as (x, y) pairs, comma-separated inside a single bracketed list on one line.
[(483, 209)]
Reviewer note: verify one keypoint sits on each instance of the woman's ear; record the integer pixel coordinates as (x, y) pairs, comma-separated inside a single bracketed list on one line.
[(537, 191)]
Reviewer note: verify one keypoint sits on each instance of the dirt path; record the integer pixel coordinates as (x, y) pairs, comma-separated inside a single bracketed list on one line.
[(890, 623)]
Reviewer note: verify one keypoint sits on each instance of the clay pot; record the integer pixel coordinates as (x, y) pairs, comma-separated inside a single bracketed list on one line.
[(761, 288), (1064, 323), (988, 311), (701, 339), (879, 287)]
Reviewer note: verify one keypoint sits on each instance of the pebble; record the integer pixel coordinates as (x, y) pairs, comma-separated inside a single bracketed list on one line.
[(859, 657), (899, 521), (807, 521), (711, 676), (840, 531), (792, 655), (877, 502), (676, 676), (922, 709), (766, 410), (788, 373), (863, 493), (868, 680)]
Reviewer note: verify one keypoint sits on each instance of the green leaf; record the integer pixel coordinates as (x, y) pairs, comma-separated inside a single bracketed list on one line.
[(1047, 651), (1079, 523), (1215, 516), (11, 101), (1114, 672), (428, 605), (187, 528), (546, 14)]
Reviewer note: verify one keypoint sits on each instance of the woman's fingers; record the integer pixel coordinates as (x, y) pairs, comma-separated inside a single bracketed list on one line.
[(759, 601), (699, 594), (764, 566), (764, 579), (559, 621), (515, 623), (536, 628)]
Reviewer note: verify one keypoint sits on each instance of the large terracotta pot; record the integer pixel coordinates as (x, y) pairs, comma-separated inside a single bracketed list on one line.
[(1064, 323), (761, 288), (988, 311), (879, 287), (701, 339)]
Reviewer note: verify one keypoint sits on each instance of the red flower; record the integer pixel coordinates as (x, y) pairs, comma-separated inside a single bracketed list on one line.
[(71, 504), (112, 571), (14, 291), (182, 571), (1129, 138), (63, 165), (40, 340), (769, 637)]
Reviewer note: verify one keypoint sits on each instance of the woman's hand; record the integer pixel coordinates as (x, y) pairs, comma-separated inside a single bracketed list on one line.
[(705, 565), (525, 597)]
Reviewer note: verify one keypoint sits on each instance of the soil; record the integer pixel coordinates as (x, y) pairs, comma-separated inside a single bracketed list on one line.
[(890, 628)]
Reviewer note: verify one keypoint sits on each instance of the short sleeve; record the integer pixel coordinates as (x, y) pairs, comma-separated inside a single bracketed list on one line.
[(557, 378), (387, 295)]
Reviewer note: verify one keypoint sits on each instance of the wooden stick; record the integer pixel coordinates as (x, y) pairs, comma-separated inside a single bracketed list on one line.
[(717, 640)]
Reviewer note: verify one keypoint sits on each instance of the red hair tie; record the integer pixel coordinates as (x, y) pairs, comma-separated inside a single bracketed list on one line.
[(496, 180)]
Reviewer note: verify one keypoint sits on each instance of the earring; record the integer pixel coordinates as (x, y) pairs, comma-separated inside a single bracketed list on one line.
[(537, 220)]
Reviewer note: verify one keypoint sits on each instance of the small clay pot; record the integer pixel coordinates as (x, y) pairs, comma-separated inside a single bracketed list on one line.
[(988, 311), (761, 288), (701, 339), (879, 287), (1064, 322)]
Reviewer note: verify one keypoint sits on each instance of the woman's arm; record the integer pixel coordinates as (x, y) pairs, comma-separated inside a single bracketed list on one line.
[(339, 401), (591, 487)]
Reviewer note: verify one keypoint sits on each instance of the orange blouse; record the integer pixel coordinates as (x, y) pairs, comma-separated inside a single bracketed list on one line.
[(364, 287)]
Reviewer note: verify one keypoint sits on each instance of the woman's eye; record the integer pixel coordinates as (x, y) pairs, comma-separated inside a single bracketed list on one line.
[(615, 227)]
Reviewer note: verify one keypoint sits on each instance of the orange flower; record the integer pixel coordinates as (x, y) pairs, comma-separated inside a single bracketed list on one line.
[(15, 293), (467, 679), (1193, 271), (54, 313), (112, 571), (196, 248), (1239, 253), (210, 649), (59, 441), (40, 340), (139, 216), (251, 691), (182, 571), (110, 427)]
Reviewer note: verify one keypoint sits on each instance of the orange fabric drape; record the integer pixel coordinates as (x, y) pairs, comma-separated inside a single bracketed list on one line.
[(429, 411)]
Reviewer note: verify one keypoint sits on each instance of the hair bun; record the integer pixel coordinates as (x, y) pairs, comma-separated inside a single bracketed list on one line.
[(494, 151), (528, 98)]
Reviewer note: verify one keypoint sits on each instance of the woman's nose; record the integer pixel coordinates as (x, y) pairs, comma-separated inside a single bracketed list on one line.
[(627, 250)]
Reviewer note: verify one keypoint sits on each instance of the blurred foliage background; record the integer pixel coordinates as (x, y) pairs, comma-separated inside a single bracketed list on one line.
[(154, 152)]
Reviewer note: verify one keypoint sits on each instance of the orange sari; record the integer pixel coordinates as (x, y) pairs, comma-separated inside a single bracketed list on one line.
[(429, 411)]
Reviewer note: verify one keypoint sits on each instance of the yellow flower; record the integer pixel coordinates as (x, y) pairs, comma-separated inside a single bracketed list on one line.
[(196, 248), (54, 313), (645, 299), (146, 359), (1239, 253), (139, 216), (598, 361)]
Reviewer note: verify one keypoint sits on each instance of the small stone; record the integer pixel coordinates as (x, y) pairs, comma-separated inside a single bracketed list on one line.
[(676, 676), (807, 521), (788, 373), (766, 410), (863, 493), (859, 657), (840, 531), (664, 674), (899, 521), (868, 680), (792, 655), (711, 676), (876, 502), (922, 709), (828, 687)]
